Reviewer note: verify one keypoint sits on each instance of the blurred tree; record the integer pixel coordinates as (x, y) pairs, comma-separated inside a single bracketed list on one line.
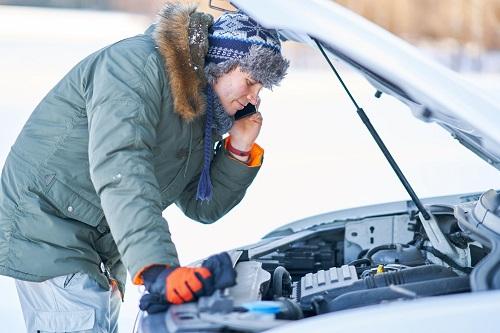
[(475, 23), (472, 22)]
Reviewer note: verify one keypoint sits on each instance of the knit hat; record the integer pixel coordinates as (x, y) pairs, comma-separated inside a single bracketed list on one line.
[(236, 40)]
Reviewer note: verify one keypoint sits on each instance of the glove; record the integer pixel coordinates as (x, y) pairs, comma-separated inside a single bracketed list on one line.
[(174, 286), (168, 286), (221, 266)]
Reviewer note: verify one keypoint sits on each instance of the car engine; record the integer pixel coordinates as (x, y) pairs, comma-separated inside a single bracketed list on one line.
[(349, 264)]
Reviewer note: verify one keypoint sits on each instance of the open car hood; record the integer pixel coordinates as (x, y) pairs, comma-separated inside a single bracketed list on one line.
[(392, 66)]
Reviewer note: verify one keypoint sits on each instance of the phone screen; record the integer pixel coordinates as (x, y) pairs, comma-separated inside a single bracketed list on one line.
[(248, 110)]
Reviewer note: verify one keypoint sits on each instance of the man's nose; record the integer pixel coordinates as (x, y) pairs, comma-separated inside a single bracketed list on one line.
[(253, 95)]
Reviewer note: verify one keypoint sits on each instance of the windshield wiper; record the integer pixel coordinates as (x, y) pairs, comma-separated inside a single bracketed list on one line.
[(378, 140)]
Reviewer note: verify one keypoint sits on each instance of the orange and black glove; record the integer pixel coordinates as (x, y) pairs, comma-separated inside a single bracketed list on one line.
[(168, 286)]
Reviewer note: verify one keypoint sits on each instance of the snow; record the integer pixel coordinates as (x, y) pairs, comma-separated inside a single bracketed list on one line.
[(319, 157)]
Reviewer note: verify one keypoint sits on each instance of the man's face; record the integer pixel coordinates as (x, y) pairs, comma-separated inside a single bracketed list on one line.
[(236, 89)]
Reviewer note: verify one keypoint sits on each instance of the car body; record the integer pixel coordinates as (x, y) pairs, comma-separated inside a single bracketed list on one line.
[(385, 266)]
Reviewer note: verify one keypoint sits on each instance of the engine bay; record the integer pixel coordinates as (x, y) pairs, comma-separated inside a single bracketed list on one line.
[(350, 264)]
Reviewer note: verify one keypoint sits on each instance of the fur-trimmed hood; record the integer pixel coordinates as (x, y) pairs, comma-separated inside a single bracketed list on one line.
[(181, 34)]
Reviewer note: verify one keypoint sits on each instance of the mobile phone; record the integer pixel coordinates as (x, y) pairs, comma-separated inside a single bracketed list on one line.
[(248, 110)]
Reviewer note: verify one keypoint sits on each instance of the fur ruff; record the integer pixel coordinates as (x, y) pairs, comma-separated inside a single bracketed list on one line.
[(181, 35)]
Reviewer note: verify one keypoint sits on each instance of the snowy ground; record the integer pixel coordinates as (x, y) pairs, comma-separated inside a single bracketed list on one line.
[(319, 157)]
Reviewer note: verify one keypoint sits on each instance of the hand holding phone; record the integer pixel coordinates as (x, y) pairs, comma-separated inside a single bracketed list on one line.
[(246, 128), (248, 110)]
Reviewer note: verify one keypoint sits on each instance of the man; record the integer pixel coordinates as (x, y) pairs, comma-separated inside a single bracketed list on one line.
[(127, 132)]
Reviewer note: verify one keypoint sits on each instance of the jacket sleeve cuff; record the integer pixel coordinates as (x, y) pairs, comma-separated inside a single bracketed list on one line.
[(138, 280), (255, 157), (137, 276)]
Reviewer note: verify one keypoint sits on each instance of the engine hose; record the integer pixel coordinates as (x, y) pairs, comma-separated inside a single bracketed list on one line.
[(409, 275), (361, 298), (362, 261), (421, 273), (282, 282), (375, 249)]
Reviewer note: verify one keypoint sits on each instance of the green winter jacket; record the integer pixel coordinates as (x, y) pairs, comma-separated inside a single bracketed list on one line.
[(114, 143)]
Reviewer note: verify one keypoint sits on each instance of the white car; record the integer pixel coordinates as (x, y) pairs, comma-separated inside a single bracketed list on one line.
[(422, 265)]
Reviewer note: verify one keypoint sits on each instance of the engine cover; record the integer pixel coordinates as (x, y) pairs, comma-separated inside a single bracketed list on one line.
[(322, 281)]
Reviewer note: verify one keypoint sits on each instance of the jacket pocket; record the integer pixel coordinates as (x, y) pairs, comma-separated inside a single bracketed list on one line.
[(71, 279), (71, 204)]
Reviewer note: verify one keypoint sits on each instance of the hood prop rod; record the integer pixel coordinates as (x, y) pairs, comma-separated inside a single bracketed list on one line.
[(378, 140)]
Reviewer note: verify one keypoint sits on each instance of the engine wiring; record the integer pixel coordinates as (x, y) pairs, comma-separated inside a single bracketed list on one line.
[(386, 268), (447, 260), (140, 314), (456, 237), (365, 265), (138, 317)]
